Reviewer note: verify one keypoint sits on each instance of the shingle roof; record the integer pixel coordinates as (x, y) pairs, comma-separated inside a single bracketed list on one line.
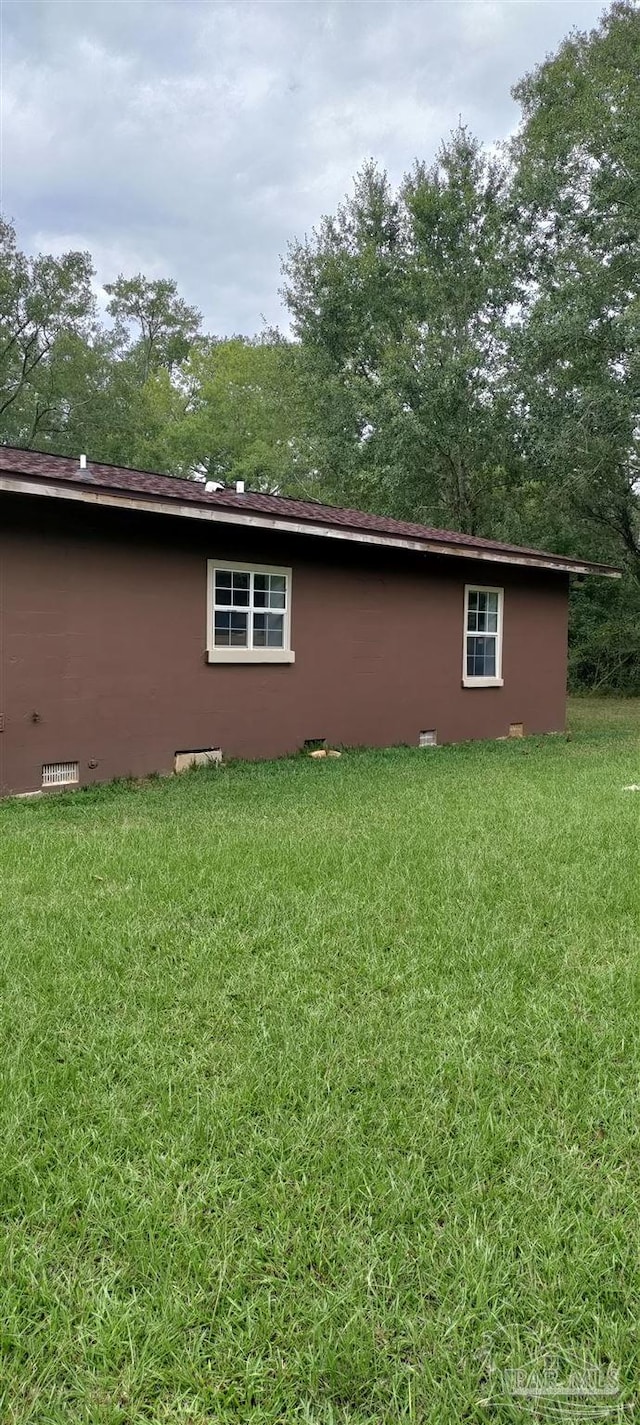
[(141, 483)]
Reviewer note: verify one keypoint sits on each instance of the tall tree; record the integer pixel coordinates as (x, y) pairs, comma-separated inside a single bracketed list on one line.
[(164, 326), (47, 316), (243, 415), (399, 303), (128, 391), (345, 289), (445, 377), (576, 347)]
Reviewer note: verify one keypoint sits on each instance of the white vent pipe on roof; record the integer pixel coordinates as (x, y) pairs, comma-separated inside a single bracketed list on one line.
[(239, 487), (83, 462)]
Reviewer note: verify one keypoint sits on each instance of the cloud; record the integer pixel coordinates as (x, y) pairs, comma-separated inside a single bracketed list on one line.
[(195, 139)]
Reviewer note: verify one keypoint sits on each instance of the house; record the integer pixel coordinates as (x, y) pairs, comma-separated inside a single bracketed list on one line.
[(144, 616)]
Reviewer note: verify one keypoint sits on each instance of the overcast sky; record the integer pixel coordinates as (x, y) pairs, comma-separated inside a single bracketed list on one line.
[(192, 139)]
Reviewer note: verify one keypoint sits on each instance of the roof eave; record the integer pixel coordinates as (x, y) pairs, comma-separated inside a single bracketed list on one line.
[(122, 499)]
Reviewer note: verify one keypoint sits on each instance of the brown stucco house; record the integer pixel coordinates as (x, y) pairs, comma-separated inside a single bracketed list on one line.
[(144, 616)]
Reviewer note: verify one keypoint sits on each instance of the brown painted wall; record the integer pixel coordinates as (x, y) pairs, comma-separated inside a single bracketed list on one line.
[(103, 635)]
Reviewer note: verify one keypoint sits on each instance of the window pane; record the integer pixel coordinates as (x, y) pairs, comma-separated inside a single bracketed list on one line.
[(481, 657), (232, 587), (230, 630), (275, 631), (240, 587), (268, 631), (223, 586), (238, 637), (482, 612), (269, 591), (222, 630)]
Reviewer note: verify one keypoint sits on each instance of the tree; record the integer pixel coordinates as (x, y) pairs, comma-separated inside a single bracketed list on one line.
[(243, 414), (166, 326), (399, 304), (576, 347), (47, 316), (444, 380), (345, 290)]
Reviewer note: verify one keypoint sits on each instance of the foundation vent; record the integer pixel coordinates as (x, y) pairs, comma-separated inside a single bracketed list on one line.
[(199, 757), (516, 729), (428, 739), (60, 774)]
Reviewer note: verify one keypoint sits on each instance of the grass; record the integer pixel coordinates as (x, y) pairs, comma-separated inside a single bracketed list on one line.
[(320, 1086), (604, 717)]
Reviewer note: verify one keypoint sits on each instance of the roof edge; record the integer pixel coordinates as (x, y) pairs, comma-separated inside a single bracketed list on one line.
[(94, 494)]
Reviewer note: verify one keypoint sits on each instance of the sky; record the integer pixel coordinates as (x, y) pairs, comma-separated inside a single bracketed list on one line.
[(193, 139)]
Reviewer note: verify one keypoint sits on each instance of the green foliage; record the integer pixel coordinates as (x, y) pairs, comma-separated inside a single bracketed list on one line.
[(604, 649), (398, 303), (243, 415), (166, 327), (47, 315), (575, 348), (148, 390)]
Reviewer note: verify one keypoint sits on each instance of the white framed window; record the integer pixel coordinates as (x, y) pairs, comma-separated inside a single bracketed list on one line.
[(248, 613), (482, 651)]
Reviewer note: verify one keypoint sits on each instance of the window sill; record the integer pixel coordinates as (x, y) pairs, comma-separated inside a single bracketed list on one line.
[(250, 655), (483, 682)]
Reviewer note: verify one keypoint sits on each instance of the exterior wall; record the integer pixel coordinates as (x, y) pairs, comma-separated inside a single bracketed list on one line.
[(103, 637)]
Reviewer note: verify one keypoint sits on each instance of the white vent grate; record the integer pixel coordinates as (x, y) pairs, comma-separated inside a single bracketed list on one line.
[(60, 774), (428, 739)]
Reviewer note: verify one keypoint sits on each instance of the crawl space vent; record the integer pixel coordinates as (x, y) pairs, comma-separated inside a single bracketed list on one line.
[(199, 757), (60, 774), (428, 739), (516, 729)]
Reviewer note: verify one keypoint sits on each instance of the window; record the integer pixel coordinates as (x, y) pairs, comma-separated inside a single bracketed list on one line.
[(482, 658), (249, 614)]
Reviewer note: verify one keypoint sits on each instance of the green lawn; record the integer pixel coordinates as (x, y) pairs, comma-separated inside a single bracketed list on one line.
[(320, 1085)]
